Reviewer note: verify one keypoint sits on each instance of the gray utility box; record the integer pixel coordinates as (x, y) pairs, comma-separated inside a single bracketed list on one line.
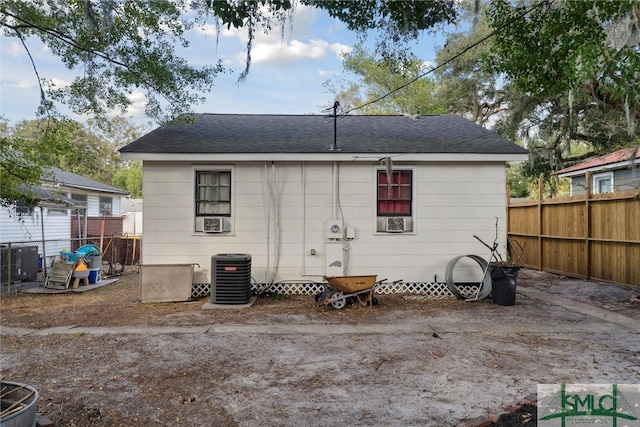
[(230, 278), (24, 264)]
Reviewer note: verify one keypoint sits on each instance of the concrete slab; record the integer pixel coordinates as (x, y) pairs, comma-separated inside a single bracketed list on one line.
[(213, 306), (91, 287)]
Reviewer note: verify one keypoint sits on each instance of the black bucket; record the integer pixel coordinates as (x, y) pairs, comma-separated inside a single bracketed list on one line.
[(503, 284)]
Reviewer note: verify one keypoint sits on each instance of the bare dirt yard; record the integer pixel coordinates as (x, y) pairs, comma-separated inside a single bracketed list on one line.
[(103, 358)]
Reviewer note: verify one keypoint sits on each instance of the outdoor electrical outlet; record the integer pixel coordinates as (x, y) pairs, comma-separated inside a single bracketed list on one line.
[(350, 233)]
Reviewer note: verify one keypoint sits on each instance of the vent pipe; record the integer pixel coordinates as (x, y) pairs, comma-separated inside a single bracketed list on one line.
[(334, 147)]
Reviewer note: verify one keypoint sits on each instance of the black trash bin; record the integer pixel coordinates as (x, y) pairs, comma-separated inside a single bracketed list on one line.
[(503, 284)]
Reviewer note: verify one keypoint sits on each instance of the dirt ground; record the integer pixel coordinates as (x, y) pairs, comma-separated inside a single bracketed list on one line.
[(102, 358)]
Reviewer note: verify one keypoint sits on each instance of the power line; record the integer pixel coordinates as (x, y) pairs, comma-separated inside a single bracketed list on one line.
[(456, 56)]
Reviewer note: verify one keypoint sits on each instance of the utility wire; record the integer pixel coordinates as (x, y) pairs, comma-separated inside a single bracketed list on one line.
[(456, 56)]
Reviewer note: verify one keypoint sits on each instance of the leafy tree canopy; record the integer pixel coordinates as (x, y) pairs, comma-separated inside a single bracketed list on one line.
[(121, 46), (573, 70), (30, 147), (465, 87), (117, 47), (377, 91), (568, 46), (130, 179)]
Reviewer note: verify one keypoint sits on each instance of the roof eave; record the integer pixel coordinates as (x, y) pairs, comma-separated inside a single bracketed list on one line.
[(601, 168), (335, 156), (94, 189)]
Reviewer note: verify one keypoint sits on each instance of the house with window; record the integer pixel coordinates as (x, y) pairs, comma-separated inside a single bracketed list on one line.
[(67, 207), (308, 196), (617, 171)]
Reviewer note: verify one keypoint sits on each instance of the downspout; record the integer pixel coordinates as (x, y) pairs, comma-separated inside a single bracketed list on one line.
[(44, 250), (303, 190), (85, 226), (276, 203), (267, 207), (79, 225), (335, 189)]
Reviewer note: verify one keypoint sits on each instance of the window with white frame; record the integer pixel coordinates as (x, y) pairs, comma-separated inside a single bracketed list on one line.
[(23, 209), (57, 212), (213, 193), (106, 206), (213, 200), (394, 200), (82, 201), (602, 183)]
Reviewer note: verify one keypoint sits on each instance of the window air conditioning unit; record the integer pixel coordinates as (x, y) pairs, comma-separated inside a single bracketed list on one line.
[(213, 224), (398, 224)]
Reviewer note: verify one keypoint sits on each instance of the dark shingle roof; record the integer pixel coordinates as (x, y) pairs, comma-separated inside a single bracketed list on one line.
[(249, 133), (69, 179)]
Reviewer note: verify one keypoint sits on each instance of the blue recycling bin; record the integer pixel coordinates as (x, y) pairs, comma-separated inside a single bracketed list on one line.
[(88, 250)]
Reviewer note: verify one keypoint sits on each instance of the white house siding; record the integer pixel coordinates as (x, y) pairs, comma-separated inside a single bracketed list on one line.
[(131, 210), (27, 230), (115, 205), (93, 204), (452, 202)]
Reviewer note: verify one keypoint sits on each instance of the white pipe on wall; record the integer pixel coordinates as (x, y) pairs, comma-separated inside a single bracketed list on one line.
[(267, 218)]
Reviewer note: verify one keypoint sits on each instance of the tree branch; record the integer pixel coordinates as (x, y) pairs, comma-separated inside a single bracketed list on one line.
[(43, 98), (73, 43)]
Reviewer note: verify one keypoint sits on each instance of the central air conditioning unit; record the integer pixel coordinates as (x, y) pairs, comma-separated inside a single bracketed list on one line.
[(398, 224), (212, 224), (230, 279)]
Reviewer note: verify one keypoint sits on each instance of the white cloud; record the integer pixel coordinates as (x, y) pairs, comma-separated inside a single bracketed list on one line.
[(24, 84), (57, 83), (340, 49), (15, 49), (292, 51), (330, 73), (135, 111), (210, 30), (427, 65), (283, 46), (295, 27), (138, 103), (281, 54)]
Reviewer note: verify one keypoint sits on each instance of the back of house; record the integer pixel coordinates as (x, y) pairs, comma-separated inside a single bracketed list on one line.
[(311, 196)]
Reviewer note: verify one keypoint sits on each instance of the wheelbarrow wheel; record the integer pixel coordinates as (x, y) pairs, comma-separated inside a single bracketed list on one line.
[(337, 300)]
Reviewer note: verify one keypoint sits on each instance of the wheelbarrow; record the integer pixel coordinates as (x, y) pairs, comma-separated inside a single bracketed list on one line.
[(340, 289)]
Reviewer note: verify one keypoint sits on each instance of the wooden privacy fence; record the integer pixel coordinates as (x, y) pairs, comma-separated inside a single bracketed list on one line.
[(587, 236)]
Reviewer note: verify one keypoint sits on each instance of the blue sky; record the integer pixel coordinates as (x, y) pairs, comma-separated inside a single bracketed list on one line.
[(287, 72)]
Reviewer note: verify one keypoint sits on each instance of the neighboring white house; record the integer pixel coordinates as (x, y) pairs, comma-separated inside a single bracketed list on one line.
[(61, 196), (617, 171), (131, 211), (308, 196)]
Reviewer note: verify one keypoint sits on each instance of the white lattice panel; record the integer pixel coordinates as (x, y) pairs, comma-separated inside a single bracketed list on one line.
[(199, 290), (426, 289)]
